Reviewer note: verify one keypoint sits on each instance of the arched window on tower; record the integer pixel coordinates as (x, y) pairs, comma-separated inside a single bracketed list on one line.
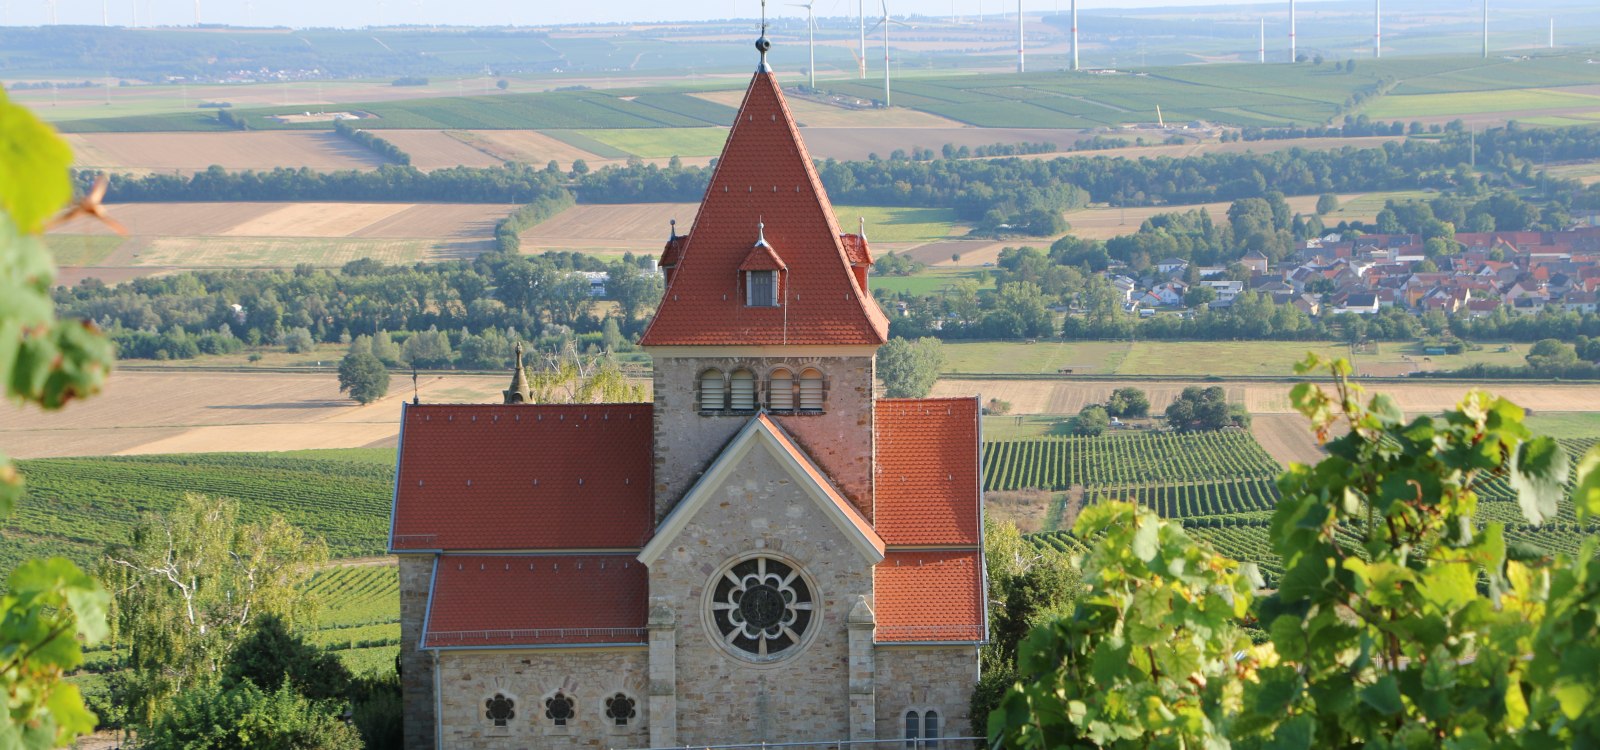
[(930, 730), (713, 391), (742, 395), (913, 729), (780, 391), (811, 389)]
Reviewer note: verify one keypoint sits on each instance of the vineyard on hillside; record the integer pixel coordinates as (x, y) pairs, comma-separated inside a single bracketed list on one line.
[(74, 507), (1233, 515), (1056, 463)]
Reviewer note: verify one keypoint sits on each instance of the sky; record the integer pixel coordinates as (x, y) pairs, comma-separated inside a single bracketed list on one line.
[(354, 13)]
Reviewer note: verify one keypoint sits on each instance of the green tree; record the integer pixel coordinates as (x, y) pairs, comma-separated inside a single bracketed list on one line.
[(298, 340), (50, 609), (1198, 295), (1551, 355), (1091, 420), (190, 583), (1199, 409), (910, 368), (1128, 402), (272, 656), (1327, 203), (363, 376)]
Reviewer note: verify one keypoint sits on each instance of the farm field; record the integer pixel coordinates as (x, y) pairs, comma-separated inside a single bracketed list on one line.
[(1124, 460), (610, 229), (1066, 396), (1105, 222), (274, 235), (143, 412), (1201, 358), (661, 143), (142, 153), (1449, 105), (929, 281), (1178, 151), (897, 225)]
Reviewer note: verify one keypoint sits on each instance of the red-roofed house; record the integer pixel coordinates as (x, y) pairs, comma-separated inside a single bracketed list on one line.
[(765, 553)]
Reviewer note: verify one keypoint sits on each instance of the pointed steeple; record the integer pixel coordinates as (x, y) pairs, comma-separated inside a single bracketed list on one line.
[(518, 393), (765, 176)]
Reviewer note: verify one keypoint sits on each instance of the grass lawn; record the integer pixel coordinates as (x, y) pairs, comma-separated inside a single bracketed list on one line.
[(1404, 107), (1366, 207), (81, 249), (895, 224), (1570, 424), (1019, 426)]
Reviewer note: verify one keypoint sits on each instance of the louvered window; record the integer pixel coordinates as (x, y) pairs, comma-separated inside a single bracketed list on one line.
[(762, 288), (780, 396), (743, 392), (811, 390), (712, 397)]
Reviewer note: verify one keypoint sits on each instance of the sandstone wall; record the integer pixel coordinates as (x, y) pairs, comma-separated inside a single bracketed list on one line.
[(416, 667), (919, 678), (839, 439), (589, 676), (721, 698)]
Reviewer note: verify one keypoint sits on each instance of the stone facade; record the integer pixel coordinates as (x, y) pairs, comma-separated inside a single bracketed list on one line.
[(416, 666), (528, 677), (839, 439), (722, 698), (919, 678)]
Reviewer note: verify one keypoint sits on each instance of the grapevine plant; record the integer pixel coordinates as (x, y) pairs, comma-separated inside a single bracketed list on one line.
[(1399, 620)]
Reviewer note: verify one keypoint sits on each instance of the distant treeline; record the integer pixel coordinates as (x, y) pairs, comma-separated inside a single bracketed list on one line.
[(507, 233), (372, 142)]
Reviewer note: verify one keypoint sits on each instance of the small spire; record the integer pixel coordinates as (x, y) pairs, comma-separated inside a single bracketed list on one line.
[(519, 392), (762, 44), (674, 223), (761, 234), (862, 233)]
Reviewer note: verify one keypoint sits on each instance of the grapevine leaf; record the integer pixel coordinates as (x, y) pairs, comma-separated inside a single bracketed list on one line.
[(1384, 408), (1146, 541), (1586, 496), (1383, 696), (1293, 734), (1539, 469), (34, 164)]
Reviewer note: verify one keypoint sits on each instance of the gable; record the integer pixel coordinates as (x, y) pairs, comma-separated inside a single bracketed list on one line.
[(761, 438)]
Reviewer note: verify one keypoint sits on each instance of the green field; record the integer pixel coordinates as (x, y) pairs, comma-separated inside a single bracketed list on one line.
[(287, 252), (1124, 461), (1200, 358), (930, 280), (661, 143), (1479, 102), (896, 224), (1566, 424), (82, 249)]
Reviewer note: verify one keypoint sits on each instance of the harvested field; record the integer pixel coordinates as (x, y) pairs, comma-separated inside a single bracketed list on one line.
[(286, 252), (436, 149), (630, 227), (1068, 396), (530, 146), (194, 152), (971, 252), (172, 412), (172, 219), (1287, 437), (1105, 222), (1178, 151), (316, 220)]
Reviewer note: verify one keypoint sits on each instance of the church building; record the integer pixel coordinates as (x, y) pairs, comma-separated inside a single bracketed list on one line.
[(766, 552)]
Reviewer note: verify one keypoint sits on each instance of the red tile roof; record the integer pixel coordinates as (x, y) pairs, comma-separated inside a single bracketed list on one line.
[(855, 248), (762, 258), (765, 175), (531, 600), (927, 483), (524, 477), (673, 251), (925, 595)]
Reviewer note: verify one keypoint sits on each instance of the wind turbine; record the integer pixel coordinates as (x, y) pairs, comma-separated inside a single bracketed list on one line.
[(1022, 61), (1261, 49), (52, 4), (1377, 29), (1485, 29), (1074, 34), (197, 12), (861, 15), (811, 26), (1292, 57), (885, 23)]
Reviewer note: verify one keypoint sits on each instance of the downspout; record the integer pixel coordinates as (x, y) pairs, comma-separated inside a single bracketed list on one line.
[(438, 704)]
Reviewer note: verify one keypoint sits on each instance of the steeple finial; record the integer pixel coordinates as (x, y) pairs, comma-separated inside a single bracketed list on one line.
[(518, 393), (762, 45), (674, 223), (761, 233)]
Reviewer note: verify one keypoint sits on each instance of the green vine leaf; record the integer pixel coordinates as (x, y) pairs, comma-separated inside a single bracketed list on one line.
[(34, 164), (1586, 496), (1539, 471)]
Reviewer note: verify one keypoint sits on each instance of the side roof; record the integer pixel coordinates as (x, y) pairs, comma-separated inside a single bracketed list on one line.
[(486, 601), (523, 477), (927, 486), (765, 176)]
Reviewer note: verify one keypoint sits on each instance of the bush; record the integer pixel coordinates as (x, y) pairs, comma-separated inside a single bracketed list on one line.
[(271, 657), (214, 718), (1092, 420), (298, 341), (378, 713)]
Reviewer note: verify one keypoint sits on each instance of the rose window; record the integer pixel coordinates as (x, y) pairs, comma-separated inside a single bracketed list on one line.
[(761, 607)]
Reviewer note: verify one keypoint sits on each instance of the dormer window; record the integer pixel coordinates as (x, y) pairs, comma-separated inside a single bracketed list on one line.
[(761, 288)]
